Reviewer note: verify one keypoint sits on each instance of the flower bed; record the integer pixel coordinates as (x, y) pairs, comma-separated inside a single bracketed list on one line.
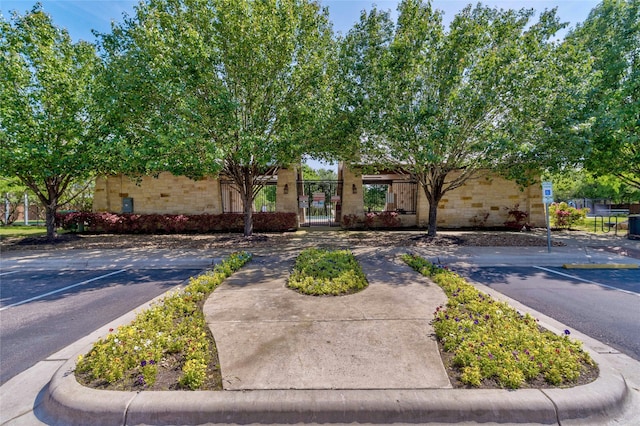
[(490, 340), (170, 337), (327, 272)]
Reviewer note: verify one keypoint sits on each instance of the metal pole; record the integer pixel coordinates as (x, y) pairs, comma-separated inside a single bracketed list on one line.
[(7, 206), (546, 209), (26, 209)]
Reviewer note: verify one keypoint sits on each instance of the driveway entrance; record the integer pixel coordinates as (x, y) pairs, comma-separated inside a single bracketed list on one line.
[(320, 202)]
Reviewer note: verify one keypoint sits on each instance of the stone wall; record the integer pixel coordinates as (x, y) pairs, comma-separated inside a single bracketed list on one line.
[(486, 201), (167, 194)]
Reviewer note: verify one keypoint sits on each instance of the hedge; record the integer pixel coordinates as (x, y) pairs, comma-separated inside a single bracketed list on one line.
[(114, 223)]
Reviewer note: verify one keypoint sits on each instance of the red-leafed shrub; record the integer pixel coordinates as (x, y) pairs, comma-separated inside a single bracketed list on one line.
[(372, 221), (115, 223)]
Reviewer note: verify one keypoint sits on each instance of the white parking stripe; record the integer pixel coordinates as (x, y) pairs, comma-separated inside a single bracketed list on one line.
[(62, 289), (586, 281)]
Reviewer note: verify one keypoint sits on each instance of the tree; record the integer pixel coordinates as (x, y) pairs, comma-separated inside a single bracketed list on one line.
[(12, 192), (447, 105), (611, 111), (44, 107), (207, 87)]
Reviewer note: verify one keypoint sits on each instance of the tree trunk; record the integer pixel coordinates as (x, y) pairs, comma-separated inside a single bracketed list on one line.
[(433, 218), (248, 217), (247, 202), (50, 221), (434, 194)]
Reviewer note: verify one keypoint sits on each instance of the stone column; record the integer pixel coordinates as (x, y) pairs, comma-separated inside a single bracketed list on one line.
[(287, 194), (352, 196)]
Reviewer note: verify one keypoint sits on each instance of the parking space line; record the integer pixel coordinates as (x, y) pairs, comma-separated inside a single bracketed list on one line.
[(584, 280), (62, 289)]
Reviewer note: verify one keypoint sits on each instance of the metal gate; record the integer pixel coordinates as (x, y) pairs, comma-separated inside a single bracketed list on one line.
[(320, 202)]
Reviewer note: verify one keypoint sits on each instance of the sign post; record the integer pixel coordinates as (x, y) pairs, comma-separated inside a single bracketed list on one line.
[(547, 198)]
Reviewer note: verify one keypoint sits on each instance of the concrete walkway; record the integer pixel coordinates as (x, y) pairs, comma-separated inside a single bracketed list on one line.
[(271, 337), (367, 358)]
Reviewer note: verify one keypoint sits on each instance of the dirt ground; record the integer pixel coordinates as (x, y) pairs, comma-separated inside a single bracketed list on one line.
[(300, 238)]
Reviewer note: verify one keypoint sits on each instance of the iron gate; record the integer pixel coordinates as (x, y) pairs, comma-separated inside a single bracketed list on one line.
[(320, 202)]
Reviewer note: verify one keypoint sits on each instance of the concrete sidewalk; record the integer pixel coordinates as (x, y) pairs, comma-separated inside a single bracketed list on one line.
[(271, 337), (367, 358)]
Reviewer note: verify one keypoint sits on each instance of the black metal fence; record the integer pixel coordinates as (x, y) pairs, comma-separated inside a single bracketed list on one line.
[(265, 200), (320, 202), (400, 196)]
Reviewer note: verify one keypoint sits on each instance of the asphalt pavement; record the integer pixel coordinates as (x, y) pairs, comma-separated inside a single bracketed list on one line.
[(48, 394), (44, 311)]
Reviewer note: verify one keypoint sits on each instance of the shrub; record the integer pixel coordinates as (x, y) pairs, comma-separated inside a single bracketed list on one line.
[(170, 224), (565, 216), (372, 220), (131, 354), (327, 272), (516, 218), (491, 340)]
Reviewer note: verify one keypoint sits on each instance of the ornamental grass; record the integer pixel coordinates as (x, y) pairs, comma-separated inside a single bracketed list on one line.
[(174, 328), (327, 272), (492, 341)]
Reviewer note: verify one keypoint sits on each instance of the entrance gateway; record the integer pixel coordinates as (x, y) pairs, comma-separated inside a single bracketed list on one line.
[(319, 202)]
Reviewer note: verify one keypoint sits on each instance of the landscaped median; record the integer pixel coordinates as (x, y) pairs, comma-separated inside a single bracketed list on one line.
[(65, 401), (166, 347), (327, 272), (490, 341)]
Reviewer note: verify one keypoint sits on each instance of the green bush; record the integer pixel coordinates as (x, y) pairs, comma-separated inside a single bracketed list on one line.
[(327, 272), (565, 216), (491, 340), (131, 354)]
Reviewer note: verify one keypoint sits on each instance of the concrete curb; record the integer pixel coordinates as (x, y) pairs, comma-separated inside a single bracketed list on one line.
[(67, 402), (600, 266)]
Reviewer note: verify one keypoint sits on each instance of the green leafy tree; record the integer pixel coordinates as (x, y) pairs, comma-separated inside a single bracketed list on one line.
[(12, 192), (581, 183), (44, 108), (207, 87), (447, 105), (611, 112)]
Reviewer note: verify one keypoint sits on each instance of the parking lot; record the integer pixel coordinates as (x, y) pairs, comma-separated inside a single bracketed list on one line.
[(44, 310)]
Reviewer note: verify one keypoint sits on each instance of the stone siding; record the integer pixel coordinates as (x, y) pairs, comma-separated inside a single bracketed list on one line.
[(486, 201), (166, 194)]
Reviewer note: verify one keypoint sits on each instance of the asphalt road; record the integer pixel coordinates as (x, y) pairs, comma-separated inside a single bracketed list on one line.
[(42, 312), (603, 304)]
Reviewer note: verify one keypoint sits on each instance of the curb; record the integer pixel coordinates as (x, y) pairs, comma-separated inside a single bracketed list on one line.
[(600, 266), (67, 402)]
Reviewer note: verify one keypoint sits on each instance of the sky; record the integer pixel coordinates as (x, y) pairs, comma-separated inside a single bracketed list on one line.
[(80, 17)]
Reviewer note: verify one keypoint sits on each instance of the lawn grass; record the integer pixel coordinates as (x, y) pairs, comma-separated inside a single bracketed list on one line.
[(21, 231), (595, 225)]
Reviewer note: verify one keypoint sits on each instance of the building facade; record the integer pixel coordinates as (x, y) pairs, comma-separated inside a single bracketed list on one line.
[(481, 202)]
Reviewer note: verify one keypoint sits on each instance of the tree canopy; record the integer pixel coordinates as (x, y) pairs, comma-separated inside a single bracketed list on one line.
[(44, 107), (610, 37), (445, 105), (201, 87)]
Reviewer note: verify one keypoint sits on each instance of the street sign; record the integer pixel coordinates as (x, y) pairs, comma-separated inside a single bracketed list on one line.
[(547, 198), (547, 192)]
